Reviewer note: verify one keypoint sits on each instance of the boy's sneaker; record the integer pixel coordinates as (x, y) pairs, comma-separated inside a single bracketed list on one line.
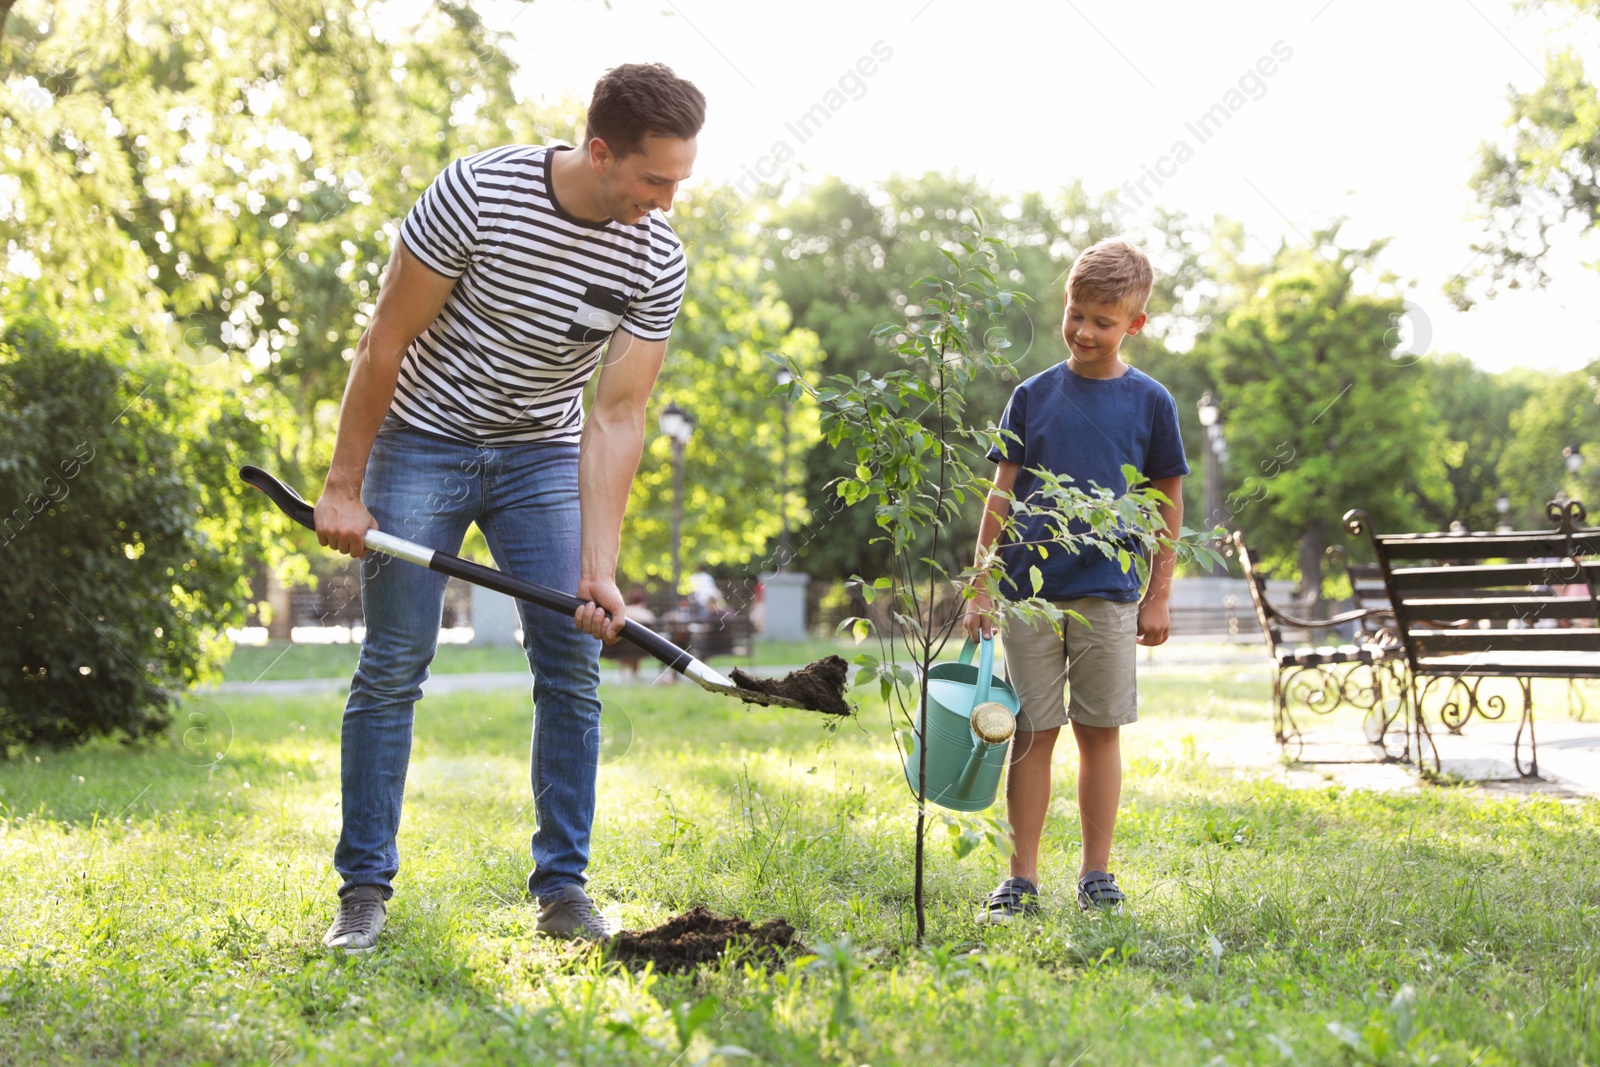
[(1013, 897), (570, 913), (361, 916), (1098, 890)]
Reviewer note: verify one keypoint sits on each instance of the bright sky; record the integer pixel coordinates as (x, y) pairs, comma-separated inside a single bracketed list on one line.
[(1371, 110)]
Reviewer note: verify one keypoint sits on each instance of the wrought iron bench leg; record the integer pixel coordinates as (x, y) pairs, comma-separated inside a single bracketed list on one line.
[(1532, 770), (1396, 680), (1284, 728), (1418, 691)]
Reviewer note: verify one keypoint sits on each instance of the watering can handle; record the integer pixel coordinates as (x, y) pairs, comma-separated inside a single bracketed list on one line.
[(968, 647), (985, 670)]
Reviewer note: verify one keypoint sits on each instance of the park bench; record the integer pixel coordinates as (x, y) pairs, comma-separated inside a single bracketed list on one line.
[(1227, 619), (1363, 673), (1467, 607)]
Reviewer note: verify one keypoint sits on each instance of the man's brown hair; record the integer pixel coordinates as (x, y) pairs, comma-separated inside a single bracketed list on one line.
[(636, 99), (1112, 271)]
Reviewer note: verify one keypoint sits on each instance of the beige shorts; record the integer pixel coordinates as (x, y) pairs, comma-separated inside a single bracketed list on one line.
[(1095, 663)]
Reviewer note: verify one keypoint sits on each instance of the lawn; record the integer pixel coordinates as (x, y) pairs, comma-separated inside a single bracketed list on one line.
[(157, 907)]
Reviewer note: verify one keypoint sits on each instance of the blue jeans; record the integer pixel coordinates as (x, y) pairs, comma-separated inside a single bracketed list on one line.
[(524, 498)]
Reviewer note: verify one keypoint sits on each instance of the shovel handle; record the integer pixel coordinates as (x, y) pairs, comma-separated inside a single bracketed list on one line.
[(297, 508)]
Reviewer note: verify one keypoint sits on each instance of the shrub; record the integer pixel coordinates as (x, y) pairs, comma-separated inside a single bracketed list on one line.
[(119, 513)]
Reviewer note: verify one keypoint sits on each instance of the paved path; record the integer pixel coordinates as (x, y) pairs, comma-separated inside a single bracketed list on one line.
[(1569, 759)]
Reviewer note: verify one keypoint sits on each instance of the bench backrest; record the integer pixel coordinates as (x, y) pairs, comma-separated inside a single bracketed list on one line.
[(1490, 595), (1257, 581)]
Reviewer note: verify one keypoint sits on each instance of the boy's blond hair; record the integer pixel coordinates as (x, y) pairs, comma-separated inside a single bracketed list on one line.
[(1112, 271)]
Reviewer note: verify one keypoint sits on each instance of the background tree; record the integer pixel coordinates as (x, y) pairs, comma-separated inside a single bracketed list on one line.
[(119, 520), (1473, 410), (1562, 411), (722, 368), (1320, 418), (1546, 173), (233, 173)]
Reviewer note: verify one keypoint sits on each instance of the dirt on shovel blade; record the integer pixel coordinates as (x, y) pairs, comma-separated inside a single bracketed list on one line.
[(819, 686), (697, 936)]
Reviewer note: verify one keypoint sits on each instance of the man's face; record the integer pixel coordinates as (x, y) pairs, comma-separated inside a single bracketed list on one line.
[(644, 181), (1094, 329)]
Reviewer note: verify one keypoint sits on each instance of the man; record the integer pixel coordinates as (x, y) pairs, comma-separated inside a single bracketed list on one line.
[(513, 271)]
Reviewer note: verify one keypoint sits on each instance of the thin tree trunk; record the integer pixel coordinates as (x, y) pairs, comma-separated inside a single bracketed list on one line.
[(927, 662), (5, 10), (922, 810), (1313, 547), (922, 772)]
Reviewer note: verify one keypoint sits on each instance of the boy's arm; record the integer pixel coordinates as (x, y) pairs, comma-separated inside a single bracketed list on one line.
[(1155, 622), (980, 609)]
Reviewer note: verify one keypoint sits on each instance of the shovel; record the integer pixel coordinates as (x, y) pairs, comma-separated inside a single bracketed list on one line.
[(646, 640)]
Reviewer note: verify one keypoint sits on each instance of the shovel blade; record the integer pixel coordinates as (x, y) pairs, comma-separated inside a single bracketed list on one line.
[(714, 681)]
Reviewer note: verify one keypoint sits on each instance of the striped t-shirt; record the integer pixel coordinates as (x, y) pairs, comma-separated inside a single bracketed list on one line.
[(537, 295)]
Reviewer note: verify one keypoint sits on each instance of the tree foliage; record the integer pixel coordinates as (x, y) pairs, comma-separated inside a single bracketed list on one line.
[(1544, 174), (1473, 411), (1561, 412), (233, 174), (732, 335), (1319, 416), (120, 518)]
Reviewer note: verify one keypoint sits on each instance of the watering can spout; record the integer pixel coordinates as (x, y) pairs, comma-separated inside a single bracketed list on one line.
[(992, 724), (969, 773)]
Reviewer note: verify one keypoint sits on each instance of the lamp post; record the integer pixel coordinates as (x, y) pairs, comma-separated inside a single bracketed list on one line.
[(677, 427), (784, 378), (1209, 414), (1502, 504)]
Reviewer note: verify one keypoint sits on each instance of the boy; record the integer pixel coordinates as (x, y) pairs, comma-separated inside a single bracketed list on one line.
[(1084, 419)]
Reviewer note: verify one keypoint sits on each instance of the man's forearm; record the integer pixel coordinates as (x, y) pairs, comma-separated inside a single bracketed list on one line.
[(367, 396), (608, 459)]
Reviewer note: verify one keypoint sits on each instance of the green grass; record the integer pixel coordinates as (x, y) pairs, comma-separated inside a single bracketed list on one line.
[(155, 909), (281, 660)]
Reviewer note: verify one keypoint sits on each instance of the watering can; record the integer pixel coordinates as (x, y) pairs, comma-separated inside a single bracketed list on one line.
[(971, 717)]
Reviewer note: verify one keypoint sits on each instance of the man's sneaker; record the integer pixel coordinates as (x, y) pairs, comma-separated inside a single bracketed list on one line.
[(1013, 897), (362, 912), (570, 913), (1098, 890)]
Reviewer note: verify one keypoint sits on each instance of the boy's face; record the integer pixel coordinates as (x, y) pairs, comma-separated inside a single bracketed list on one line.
[(1094, 329)]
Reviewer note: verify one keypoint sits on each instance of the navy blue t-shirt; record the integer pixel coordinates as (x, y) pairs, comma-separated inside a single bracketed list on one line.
[(1085, 429)]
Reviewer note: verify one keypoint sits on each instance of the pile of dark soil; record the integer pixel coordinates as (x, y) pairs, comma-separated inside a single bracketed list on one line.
[(819, 686), (697, 936)]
